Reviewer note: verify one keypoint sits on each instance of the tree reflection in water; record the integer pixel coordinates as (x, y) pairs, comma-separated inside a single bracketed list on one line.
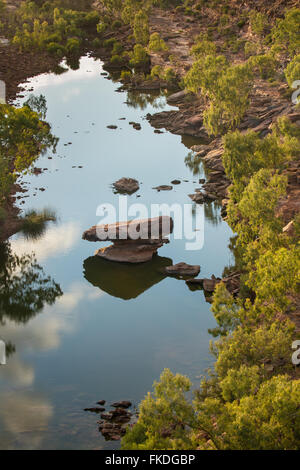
[(138, 100), (24, 287)]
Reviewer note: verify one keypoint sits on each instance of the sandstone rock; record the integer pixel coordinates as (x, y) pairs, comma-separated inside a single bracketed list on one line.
[(195, 121), (209, 285), (130, 251), (183, 269), (232, 283), (289, 229), (133, 241), (200, 149), (176, 97), (126, 185), (197, 197)]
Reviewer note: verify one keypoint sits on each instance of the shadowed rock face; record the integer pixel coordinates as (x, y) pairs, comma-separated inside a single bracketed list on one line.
[(134, 241), (125, 281)]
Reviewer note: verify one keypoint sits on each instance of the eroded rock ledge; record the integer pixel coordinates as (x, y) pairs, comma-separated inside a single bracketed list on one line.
[(133, 241)]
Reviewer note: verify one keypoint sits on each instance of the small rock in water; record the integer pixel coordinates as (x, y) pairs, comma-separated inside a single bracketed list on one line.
[(101, 402), (163, 187), (107, 416), (120, 412), (126, 185), (136, 125), (111, 126), (183, 269), (122, 404), (176, 182), (94, 410)]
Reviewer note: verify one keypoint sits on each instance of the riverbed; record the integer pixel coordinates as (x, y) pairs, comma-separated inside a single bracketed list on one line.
[(113, 328)]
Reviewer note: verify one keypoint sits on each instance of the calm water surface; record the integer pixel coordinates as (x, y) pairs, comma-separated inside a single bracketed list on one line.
[(115, 327)]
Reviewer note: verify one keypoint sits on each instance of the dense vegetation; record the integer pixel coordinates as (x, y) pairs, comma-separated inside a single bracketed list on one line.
[(250, 400)]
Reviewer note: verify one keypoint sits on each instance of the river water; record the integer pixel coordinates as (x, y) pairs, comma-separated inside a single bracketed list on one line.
[(105, 331)]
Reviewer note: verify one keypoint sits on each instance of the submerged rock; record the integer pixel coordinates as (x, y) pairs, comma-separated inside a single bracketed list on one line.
[(126, 185), (164, 187), (232, 283), (101, 402), (122, 404), (133, 241), (94, 410)]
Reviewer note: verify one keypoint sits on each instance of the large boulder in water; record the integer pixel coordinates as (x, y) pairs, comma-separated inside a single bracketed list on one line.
[(133, 241)]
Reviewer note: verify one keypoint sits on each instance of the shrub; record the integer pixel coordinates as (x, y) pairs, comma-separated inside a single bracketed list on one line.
[(109, 43), (56, 49), (164, 417), (141, 28), (285, 33), (156, 43), (264, 65), (96, 43), (102, 27), (73, 46), (156, 71), (116, 24), (126, 75), (139, 57), (292, 72), (258, 22), (251, 48), (203, 48)]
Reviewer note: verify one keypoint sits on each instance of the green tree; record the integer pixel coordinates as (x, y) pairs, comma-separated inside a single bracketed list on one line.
[(164, 417), (141, 28)]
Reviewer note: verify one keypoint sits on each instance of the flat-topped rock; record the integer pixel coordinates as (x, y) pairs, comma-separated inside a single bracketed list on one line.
[(135, 230)]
